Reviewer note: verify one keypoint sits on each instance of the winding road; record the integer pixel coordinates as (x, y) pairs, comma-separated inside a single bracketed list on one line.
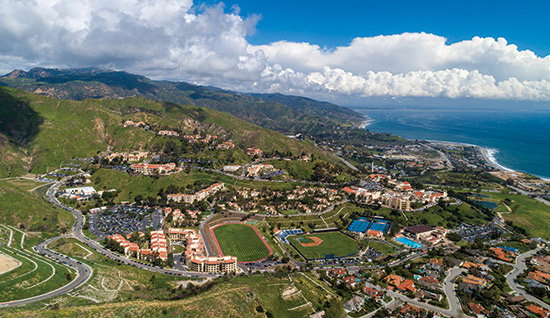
[(83, 271), (520, 267)]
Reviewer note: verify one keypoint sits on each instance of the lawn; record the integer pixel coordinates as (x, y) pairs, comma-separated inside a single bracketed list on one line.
[(527, 213), (381, 247), (333, 243), (242, 241)]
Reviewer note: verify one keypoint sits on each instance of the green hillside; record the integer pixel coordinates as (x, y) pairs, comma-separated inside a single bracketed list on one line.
[(27, 210), (39, 133), (290, 114)]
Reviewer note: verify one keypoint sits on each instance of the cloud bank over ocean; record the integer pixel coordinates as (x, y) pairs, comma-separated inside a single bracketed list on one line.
[(173, 39)]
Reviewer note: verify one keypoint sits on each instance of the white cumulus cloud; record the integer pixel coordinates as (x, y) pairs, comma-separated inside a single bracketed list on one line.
[(173, 39)]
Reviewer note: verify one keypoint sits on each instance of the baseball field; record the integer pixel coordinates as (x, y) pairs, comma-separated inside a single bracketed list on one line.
[(319, 245)]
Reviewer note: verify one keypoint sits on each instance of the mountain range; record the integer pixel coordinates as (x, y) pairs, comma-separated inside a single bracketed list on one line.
[(283, 113)]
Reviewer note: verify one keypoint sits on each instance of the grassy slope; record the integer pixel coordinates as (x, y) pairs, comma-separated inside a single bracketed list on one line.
[(129, 187), (527, 213), (241, 241), (52, 131), (141, 296), (21, 208)]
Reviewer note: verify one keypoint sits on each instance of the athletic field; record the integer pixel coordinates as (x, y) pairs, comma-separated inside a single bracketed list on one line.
[(319, 245), (240, 240)]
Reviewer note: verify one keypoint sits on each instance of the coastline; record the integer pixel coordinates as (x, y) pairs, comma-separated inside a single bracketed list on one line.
[(366, 122), (488, 155)]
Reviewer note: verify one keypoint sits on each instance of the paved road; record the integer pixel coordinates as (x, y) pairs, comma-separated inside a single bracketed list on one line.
[(520, 267), (77, 233), (209, 250), (84, 272), (448, 287)]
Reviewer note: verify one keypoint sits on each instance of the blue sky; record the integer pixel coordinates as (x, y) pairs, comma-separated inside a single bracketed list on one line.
[(330, 23), (346, 51)]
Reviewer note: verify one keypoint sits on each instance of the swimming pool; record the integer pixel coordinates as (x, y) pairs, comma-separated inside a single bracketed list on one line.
[(408, 242)]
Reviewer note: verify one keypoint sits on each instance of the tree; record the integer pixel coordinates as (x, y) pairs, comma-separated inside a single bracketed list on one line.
[(453, 237), (334, 308)]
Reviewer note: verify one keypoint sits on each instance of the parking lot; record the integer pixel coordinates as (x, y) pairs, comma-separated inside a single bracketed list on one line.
[(124, 219), (372, 254), (470, 233)]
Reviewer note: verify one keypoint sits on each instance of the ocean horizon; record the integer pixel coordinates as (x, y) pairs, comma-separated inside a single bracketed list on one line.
[(514, 140)]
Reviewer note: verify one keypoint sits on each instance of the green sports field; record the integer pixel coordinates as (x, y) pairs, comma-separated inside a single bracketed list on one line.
[(242, 241), (333, 243)]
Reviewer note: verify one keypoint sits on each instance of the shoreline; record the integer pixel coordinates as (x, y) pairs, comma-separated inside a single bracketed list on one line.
[(488, 155), (366, 122)]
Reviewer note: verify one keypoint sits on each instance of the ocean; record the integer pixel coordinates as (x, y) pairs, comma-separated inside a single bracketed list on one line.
[(518, 140)]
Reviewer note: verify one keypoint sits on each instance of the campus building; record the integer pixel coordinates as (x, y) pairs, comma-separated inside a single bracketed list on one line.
[(223, 264), (148, 169), (199, 196)]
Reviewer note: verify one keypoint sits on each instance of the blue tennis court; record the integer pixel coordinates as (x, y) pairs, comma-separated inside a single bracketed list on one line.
[(359, 225), (382, 227)]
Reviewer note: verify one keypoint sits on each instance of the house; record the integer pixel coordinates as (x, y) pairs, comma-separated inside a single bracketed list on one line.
[(337, 272), (479, 310), (354, 304), (423, 294), (372, 293), (351, 281), (436, 264), (429, 282), (539, 311), (393, 280), (410, 309), (254, 152), (226, 145), (515, 299), (531, 283), (231, 168), (467, 287), (407, 285), (474, 280), (170, 133)]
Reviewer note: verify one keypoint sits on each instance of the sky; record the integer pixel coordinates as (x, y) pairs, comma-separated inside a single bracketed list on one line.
[(339, 51)]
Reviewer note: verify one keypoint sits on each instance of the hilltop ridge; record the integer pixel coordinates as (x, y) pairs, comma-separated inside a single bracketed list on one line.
[(288, 114)]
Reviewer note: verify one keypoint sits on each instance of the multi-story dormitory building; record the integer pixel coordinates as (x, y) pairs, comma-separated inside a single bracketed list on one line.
[(158, 247), (148, 169), (199, 196), (223, 264)]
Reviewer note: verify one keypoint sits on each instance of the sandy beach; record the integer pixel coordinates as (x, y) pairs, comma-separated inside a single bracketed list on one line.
[(365, 123), (488, 154)]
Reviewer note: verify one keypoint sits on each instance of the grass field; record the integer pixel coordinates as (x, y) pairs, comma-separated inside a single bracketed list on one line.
[(333, 243), (242, 241), (381, 247), (527, 213)]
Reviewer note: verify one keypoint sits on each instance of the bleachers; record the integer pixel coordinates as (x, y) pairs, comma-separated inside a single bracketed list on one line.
[(286, 233)]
